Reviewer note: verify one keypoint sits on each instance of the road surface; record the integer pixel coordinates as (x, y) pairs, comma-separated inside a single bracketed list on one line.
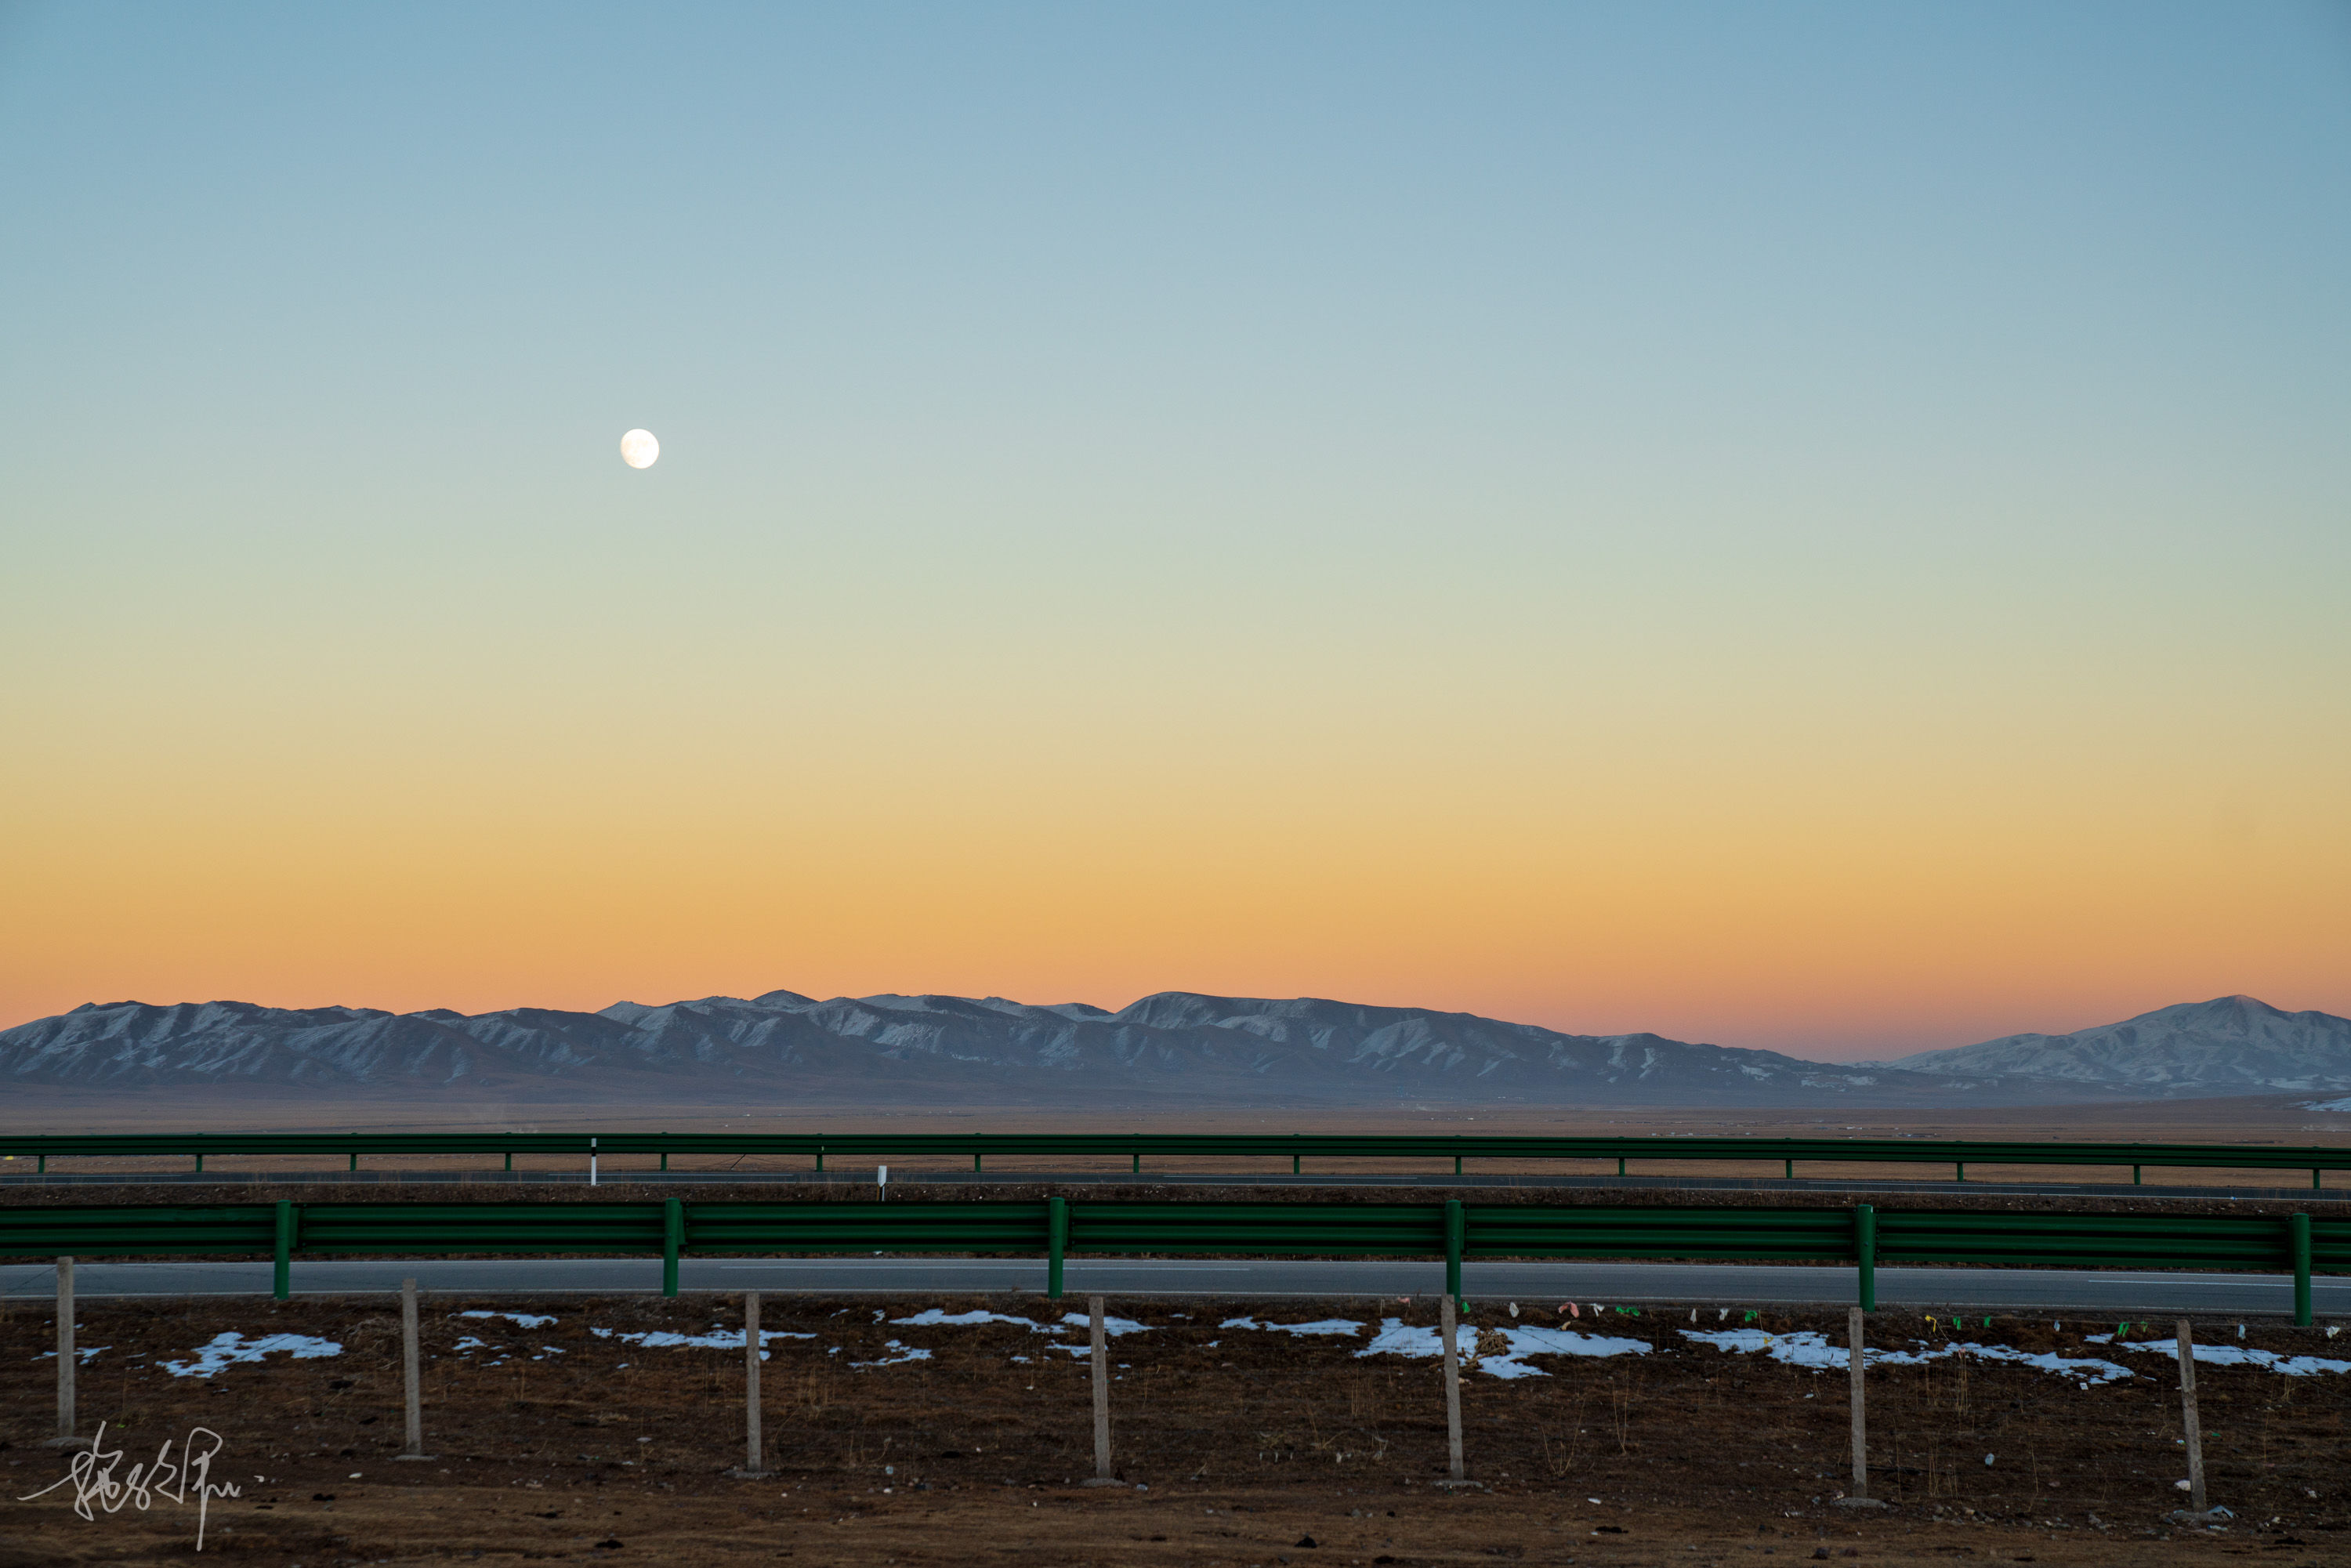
[(2118, 1294)]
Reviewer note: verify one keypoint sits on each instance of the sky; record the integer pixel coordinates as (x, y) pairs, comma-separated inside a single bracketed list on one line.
[(1813, 525)]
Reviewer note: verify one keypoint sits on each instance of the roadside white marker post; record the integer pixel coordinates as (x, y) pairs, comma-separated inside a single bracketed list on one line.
[(2195, 1502), (591, 1162), (1452, 1352), (66, 1358), (411, 1374), (880, 1182)]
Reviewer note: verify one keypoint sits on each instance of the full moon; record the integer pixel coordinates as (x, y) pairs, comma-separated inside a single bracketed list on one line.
[(639, 449)]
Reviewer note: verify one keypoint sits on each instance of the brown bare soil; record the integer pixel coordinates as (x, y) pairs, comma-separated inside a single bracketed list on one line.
[(1246, 1444)]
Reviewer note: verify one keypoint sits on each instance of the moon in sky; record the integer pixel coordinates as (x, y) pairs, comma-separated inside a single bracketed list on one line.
[(639, 449)]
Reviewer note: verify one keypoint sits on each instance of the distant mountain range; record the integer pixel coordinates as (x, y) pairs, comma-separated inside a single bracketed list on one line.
[(783, 1049), (2231, 1045)]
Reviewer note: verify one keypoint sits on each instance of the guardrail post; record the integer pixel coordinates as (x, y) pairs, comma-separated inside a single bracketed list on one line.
[(1788, 1171), (1057, 1243), (1961, 1165), (1457, 1165), (1456, 1228), (43, 1167), (819, 1159), (2298, 1240), (1138, 1162), (975, 1162), (411, 1373), (2314, 1179), (355, 1159), (1620, 1164), (282, 1276), (2135, 1171), (200, 1162), (509, 1161), (65, 1357), (1865, 1252), (664, 1163), (1451, 1351), (672, 1238), (1293, 1164)]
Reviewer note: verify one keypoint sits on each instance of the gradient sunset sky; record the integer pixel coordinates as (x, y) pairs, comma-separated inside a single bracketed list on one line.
[(1825, 526)]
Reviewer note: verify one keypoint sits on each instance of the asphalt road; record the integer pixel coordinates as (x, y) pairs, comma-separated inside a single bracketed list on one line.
[(2121, 1294)]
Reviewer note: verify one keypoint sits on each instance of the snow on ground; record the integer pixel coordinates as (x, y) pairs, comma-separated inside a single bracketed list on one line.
[(936, 1317), (716, 1338), (901, 1353), (228, 1349), (519, 1320), (2231, 1355), (1811, 1350), (1395, 1337), (1325, 1325)]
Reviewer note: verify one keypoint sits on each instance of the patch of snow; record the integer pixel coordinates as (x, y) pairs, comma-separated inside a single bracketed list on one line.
[(718, 1339), (229, 1348), (1111, 1327), (519, 1320), (1323, 1326), (936, 1318), (905, 1354), (81, 1353), (1396, 1337), (1811, 1350), (2233, 1356)]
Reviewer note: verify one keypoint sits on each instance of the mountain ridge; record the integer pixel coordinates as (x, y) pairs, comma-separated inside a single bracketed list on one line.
[(2234, 1044), (1170, 1047)]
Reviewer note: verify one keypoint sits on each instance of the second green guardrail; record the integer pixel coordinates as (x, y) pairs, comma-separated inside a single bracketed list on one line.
[(1135, 1147), (1861, 1235)]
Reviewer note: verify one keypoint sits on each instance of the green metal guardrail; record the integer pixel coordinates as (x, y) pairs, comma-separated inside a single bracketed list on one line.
[(1861, 1235), (1298, 1147)]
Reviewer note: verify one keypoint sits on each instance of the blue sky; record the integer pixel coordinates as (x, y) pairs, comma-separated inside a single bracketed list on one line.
[(1748, 470)]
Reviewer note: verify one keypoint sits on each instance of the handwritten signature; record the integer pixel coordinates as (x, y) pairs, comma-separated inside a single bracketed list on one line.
[(92, 1475)]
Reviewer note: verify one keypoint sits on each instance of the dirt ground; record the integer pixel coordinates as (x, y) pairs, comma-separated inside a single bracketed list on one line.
[(1243, 1445)]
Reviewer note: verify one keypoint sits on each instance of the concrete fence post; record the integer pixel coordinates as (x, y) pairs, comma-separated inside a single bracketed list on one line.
[(65, 1357), (1452, 1356), (755, 1449), (2194, 1429), (1100, 1346), (412, 1374)]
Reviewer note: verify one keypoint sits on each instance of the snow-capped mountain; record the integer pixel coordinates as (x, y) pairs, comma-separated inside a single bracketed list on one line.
[(872, 1051), (2231, 1045)]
